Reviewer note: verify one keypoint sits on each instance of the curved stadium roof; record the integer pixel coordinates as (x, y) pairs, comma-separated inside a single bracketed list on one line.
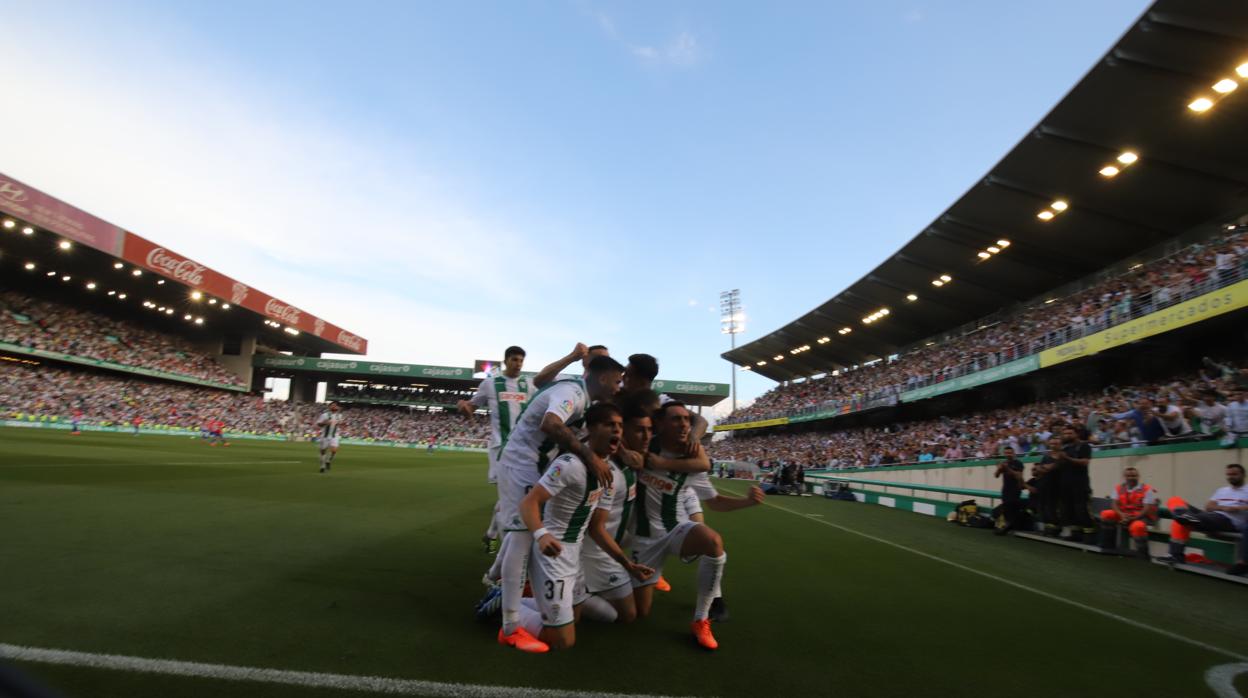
[(1192, 170)]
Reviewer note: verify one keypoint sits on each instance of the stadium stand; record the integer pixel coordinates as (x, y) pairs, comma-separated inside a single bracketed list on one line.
[(37, 393), (1191, 272)]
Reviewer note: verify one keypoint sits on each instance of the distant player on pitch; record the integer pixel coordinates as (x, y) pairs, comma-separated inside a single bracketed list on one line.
[(329, 423), (505, 396)]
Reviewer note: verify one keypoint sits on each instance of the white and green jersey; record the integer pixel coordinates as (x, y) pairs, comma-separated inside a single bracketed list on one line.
[(658, 499), (619, 505), (528, 447), (505, 398), (328, 422), (574, 495)]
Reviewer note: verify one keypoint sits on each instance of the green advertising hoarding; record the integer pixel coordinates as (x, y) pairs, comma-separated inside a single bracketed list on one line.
[(691, 388), (991, 375), (361, 368)]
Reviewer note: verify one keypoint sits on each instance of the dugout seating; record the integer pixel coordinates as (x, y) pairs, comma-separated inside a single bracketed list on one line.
[(1216, 546)]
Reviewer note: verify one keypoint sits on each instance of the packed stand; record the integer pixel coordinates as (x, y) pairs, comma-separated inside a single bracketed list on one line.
[(1194, 271), (396, 394), (1211, 403), (45, 393), (38, 324)]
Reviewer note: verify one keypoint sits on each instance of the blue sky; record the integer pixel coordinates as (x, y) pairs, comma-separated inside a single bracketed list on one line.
[(446, 179)]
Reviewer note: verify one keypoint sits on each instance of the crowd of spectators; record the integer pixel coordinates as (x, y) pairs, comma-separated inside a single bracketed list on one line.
[(51, 326), (45, 393), (1211, 403), (1195, 270), (396, 394)]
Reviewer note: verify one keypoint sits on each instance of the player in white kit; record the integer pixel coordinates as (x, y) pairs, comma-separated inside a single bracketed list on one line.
[(664, 529), (544, 429), (557, 513), (505, 396), (329, 423)]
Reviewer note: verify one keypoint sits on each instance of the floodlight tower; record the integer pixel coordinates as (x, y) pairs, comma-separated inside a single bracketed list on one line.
[(732, 323)]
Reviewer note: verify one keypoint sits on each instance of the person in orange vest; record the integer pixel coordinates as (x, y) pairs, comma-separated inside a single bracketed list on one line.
[(1134, 506)]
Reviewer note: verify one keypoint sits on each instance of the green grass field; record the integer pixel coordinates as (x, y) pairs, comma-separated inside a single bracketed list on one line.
[(161, 547)]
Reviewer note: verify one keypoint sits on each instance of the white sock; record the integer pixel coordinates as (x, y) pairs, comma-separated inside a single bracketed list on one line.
[(710, 573), (598, 609), (492, 531), (496, 569), (322, 460), (531, 618), (515, 557)]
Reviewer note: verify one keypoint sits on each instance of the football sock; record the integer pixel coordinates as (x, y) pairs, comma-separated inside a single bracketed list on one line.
[(492, 531), (710, 572), (530, 619), (598, 609), (496, 569), (515, 556)]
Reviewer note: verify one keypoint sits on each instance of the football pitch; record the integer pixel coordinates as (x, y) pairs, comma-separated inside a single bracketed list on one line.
[(139, 555)]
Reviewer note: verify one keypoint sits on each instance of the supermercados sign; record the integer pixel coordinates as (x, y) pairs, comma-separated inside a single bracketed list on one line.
[(366, 368), (690, 388)]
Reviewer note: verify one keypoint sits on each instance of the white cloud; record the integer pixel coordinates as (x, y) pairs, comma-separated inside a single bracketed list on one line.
[(693, 303), (913, 16), (268, 191), (680, 51)]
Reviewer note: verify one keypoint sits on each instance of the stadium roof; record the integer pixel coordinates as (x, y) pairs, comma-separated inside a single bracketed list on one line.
[(45, 215), (1191, 170), (698, 393)]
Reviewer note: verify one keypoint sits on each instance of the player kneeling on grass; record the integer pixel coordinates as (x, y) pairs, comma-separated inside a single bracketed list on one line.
[(663, 529), (607, 572), (569, 493)]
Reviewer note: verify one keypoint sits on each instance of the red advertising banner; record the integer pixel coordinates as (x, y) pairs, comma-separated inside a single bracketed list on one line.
[(146, 254), (33, 206)]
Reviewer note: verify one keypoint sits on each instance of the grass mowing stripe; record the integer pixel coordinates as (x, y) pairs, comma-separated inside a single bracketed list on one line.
[(1019, 585), (187, 462), (374, 684)]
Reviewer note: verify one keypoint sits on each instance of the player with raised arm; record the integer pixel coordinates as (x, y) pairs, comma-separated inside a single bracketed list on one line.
[(544, 429), (329, 422), (557, 512), (663, 529), (580, 353), (505, 395)]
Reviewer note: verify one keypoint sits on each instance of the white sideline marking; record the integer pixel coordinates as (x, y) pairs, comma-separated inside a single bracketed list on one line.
[(188, 462), (1024, 587), (375, 684), (1222, 679)]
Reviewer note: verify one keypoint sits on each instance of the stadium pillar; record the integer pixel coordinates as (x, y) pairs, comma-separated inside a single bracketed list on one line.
[(232, 351), (303, 389)]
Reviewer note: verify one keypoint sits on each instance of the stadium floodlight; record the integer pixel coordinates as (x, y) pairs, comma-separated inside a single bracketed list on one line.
[(28, 230), (51, 273), (993, 249), (186, 317), (9, 223), (1242, 70), (1045, 215), (984, 255), (747, 367), (825, 340), (64, 244), (196, 295), (937, 283), (199, 321), (112, 293), (1109, 171), (1128, 158), (30, 266), (67, 277), (731, 323), (168, 311), (90, 285), (778, 357), (1225, 86), (1059, 205), (137, 272), (761, 363), (121, 296), (1003, 243), (1202, 104), (846, 330), (225, 306), (946, 278), (912, 297), (118, 265), (160, 282), (212, 301)]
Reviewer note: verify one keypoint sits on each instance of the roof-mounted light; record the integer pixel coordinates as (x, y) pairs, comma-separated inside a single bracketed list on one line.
[(1202, 104), (912, 297), (65, 244), (1225, 86)]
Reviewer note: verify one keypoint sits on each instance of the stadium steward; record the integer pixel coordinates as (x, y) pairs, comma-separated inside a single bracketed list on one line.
[(1134, 506)]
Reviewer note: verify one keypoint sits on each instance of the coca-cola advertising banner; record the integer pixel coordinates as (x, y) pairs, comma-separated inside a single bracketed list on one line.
[(39, 209), (148, 255)]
